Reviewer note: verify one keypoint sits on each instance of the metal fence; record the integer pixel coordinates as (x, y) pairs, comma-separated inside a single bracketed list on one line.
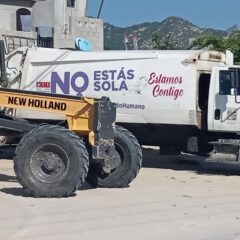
[(46, 42)]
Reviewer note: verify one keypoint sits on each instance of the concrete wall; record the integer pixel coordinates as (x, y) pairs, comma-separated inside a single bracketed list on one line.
[(16, 39), (68, 23), (79, 11), (91, 29), (65, 16), (43, 14), (71, 23), (8, 13)]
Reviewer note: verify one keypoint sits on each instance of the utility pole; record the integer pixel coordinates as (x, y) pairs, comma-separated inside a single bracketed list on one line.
[(100, 9), (86, 9)]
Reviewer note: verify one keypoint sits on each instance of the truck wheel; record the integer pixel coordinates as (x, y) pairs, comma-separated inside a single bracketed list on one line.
[(129, 161), (51, 161)]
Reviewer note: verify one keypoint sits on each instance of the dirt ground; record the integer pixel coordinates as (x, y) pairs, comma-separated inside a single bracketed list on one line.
[(172, 198)]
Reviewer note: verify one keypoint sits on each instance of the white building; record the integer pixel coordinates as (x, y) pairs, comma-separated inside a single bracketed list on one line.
[(61, 20)]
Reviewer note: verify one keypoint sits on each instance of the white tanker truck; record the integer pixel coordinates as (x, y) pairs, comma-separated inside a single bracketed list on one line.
[(180, 100)]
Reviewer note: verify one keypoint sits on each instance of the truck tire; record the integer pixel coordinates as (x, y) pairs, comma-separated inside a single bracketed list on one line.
[(129, 154), (51, 161)]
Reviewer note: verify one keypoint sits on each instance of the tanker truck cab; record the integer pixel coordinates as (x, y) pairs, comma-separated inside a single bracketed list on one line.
[(224, 100)]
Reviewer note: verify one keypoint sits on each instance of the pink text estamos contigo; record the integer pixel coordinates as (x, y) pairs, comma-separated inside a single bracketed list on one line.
[(166, 86)]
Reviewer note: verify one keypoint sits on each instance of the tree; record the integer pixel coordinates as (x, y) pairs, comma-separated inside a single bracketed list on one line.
[(233, 44), (219, 43), (163, 43), (211, 42)]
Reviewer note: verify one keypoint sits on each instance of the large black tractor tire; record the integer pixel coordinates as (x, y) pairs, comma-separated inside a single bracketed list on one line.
[(129, 155), (51, 161)]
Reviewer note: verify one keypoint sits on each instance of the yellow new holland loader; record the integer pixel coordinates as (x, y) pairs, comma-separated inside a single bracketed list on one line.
[(53, 160)]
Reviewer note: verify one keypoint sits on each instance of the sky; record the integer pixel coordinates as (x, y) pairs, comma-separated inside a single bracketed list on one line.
[(217, 14)]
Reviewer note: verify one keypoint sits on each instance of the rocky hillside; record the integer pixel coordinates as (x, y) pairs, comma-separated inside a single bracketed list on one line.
[(179, 32)]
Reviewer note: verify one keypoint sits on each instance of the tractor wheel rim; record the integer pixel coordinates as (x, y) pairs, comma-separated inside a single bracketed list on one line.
[(49, 163)]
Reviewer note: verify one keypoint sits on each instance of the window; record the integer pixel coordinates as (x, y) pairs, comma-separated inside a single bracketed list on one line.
[(71, 3), (23, 20), (226, 81)]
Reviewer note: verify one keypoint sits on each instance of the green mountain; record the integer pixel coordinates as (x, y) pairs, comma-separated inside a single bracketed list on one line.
[(177, 31)]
